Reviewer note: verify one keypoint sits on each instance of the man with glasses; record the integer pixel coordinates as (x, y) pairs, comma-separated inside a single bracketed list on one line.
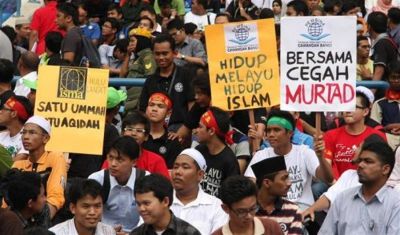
[(365, 66), (50, 165), (274, 183), (239, 198), (341, 142)]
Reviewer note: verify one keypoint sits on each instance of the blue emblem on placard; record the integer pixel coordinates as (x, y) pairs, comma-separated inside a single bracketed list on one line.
[(241, 35), (315, 30)]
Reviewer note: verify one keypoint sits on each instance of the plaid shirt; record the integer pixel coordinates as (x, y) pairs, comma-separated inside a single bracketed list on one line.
[(175, 227)]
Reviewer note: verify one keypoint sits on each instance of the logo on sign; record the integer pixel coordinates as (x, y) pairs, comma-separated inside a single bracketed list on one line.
[(241, 37), (315, 30), (72, 83)]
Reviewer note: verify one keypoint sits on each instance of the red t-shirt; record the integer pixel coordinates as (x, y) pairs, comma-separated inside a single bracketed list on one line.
[(44, 21), (340, 147), (150, 162)]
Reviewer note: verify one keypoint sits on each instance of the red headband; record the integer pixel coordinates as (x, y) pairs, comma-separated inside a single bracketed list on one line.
[(161, 97), (18, 107), (209, 121)]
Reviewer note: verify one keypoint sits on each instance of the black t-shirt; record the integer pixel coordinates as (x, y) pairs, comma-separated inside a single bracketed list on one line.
[(73, 43), (241, 121), (180, 91), (384, 52), (193, 117), (168, 149), (219, 167)]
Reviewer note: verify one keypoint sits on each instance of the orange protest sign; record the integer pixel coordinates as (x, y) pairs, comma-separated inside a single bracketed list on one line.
[(74, 101), (243, 64)]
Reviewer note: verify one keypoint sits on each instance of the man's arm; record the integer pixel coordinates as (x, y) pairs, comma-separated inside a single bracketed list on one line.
[(321, 204), (33, 37), (324, 170), (379, 70), (69, 56)]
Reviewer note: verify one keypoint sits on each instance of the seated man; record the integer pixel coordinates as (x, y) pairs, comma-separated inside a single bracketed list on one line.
[(50, 165), (273, 183), (154, 196), (239, 197), (191, 203), (86, 204), (118, 184)]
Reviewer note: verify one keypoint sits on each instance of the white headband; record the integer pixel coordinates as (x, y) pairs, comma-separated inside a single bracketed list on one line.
[(40, 121)]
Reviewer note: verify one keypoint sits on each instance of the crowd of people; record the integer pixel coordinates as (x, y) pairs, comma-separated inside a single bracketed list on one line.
[(171, 162)]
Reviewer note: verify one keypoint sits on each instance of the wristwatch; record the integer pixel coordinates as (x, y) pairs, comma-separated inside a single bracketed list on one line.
[(183, 57)]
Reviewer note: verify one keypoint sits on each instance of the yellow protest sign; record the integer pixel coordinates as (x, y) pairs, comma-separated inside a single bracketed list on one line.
[(73, 100), (243, 64)]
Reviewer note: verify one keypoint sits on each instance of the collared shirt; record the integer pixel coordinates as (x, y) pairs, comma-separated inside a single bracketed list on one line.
[(168, 149), (68, 228), (350, 213), (175, 227), (287, 214), (190, 47), (178, 87), (20, 88), (120, 207), (395, 34), (204, 213), (52, 168), (262, 226)]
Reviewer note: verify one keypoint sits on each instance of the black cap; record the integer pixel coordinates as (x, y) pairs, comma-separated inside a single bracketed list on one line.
[(268, 166)]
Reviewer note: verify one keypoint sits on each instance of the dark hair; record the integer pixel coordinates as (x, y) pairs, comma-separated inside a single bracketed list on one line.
[(126, 145), (202, 3), (158, 184), (53, 41), (10, 32), (135, 118), (164, 3), (329, 5), (149, 9), (347, 6), (114, 23), (161, 38), (377, 21), (394, 15), (373, 138), (266, 13), (115, 7), (69, 9), (202, 82), (222, 119), (299, 6), (21, 186), (6, 71), (223, 14), (190, 28), (361, 38), (83, 7), (30, 60), (270, 176), (383, 151), (277, 1), (364, 99), (282, 114), (122, 45), (394, 67), (175, 24), (236, 188), (147, 18), (82, 187)]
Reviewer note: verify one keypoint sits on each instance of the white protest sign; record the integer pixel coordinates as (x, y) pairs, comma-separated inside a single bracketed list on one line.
[(318, 63)]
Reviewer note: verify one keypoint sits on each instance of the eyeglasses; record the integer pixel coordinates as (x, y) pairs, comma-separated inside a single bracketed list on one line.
[(241, 213), (6, 109), (138, 130), (30, 132)]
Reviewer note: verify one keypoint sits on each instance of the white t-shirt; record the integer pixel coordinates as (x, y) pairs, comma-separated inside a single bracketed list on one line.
[(20, 88), (200, 21), (12, 144), (301, 163), (347, 180)]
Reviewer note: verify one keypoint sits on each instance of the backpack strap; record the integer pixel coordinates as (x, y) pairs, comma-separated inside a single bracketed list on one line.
[(106, 185), (208, 19), (139, 174)]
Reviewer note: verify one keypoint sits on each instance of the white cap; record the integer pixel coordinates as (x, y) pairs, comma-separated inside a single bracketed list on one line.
[(40, 121), (367, 92), (197, 156)]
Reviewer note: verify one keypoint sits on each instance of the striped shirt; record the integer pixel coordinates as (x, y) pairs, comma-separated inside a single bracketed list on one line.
[(287, 214)]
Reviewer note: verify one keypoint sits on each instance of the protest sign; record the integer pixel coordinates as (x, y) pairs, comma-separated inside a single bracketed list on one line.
[(318, 63), (73, 100), (243, 64)]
